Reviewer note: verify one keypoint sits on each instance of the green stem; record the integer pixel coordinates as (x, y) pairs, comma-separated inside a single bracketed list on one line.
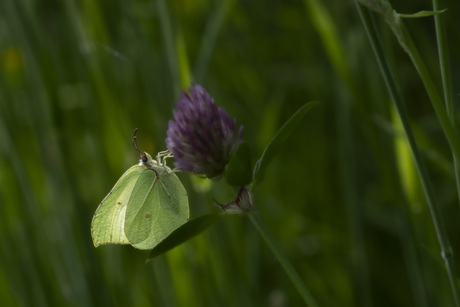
[(281, 256), (209, 39), (170, 44), (353, 203), (446, 79), (444, 61), (446, 249), (409, 46)]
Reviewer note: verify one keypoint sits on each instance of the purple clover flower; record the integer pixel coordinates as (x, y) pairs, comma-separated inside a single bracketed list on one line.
[(202, 137)]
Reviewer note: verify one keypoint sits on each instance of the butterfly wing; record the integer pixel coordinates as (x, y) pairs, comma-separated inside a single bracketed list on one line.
[(107, 226), (164, 208), (143, 207)]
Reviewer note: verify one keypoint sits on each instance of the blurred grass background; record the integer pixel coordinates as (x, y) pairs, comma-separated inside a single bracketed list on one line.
[(342, 198)]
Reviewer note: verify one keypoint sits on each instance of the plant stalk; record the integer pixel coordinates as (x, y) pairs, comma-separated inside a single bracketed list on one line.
[(446, 78), (281, 256), (446, 249)]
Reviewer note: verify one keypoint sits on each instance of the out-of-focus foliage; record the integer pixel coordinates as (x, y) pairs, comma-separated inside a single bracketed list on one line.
[(76, 79)]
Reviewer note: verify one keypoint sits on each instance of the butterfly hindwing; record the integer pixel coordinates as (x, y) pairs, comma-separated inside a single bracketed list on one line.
[(143, 208), (169, 209)]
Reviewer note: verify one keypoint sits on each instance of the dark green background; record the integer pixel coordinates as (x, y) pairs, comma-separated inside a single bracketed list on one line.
[(78, 76)]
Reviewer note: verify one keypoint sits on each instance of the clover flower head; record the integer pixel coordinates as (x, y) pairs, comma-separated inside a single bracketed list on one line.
[(202, 137)]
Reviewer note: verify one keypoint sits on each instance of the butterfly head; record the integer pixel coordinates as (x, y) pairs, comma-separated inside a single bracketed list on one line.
[(146, 159)]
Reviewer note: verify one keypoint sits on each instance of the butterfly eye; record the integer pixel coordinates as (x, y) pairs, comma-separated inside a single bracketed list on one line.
[(144, 158)]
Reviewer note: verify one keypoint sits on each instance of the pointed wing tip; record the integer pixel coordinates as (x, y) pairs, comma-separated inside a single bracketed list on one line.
[(97, 243)]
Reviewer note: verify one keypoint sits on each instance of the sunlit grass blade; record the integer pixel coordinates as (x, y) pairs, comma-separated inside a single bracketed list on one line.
[(446, 76), (446, 248)]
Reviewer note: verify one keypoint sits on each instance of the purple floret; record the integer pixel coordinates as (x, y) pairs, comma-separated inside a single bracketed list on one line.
[(202, 136)]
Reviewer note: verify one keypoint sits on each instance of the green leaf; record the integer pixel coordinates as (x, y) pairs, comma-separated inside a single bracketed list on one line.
[(277, 142), (421, 14), (238, 172), (142, 209), (184, 233)]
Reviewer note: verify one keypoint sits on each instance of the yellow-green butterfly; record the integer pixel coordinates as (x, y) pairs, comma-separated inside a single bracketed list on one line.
[(144, 207)]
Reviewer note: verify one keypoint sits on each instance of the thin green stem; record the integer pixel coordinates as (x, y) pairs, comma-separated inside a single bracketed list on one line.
[(446, 77), (444, 60), (209, 39), (170, 44), (352, 201), (281, 256), (408, 45), (446, 249)]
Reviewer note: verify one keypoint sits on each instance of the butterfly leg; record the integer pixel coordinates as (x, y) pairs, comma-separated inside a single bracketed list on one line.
[(162, 156)]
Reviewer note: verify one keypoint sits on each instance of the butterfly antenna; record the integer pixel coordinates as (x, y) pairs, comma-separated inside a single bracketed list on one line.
[(135, 143), (142, 155)]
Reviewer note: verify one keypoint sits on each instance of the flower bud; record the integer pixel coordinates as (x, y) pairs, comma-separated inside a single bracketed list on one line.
[(244, 202)]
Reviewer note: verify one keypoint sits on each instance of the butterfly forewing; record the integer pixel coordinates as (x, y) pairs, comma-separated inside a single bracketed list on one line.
[(108, 221)]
